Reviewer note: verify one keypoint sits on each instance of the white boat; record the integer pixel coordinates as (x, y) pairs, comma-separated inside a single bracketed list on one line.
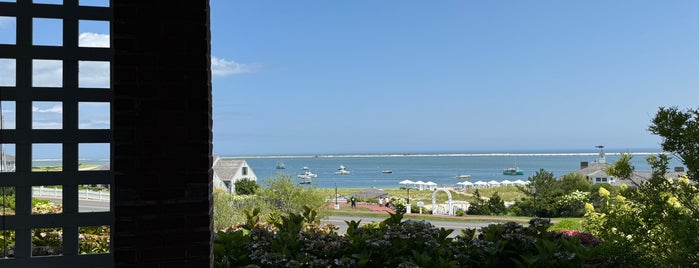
[(387, 171), (304, 168), (464, 176), (342, 170), (307, 175), (305, 181), (280, 165)]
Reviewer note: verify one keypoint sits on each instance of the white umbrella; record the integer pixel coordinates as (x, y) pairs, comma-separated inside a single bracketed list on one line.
[(429, 184), (506, 182), (519, 182), (493, 183), (465, 183), (421, 184), (480, 183), (406, 182)]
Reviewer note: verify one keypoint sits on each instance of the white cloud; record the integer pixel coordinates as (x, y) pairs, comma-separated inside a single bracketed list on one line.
[(7, 72), (93, 124), (53, 109), (47, 73), (93, 74), (7, 22), (93, 40), (222, 67)]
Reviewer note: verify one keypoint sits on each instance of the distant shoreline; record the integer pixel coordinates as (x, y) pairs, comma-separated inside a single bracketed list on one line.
[(434, 155)]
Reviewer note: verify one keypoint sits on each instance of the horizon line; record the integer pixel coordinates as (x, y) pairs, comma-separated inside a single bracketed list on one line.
[(438, 154)]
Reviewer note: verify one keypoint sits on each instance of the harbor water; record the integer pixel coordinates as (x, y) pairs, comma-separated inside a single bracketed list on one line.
[(442, 169)]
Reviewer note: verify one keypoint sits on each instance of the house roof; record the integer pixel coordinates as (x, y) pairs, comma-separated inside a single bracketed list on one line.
[(225, 169), (594, 168), (599, 170)]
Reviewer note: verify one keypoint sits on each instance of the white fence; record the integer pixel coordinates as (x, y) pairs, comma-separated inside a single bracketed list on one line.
[(82, 194)]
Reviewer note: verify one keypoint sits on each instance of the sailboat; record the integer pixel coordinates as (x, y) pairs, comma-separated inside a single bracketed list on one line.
[(342, 171), (513, 170)]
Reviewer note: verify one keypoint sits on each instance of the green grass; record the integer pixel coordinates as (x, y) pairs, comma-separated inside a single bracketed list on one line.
[(60, 168), (507, 193)]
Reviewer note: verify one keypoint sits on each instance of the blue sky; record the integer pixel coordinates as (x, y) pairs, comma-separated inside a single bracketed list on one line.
[(323, 77), (318, 77)]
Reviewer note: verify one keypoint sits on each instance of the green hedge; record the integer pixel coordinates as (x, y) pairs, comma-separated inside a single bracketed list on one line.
[(295, 240)]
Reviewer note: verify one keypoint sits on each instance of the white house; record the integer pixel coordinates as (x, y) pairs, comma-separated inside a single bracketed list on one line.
[(227, 172)]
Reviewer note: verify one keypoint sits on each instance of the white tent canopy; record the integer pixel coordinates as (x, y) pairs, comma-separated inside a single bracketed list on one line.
[(506, 182), (493, 183)]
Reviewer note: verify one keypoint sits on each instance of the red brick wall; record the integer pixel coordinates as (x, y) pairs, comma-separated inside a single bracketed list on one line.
[(162, 133)]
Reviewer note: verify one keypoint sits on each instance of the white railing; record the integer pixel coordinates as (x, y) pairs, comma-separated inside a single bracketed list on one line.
[(82, 194)]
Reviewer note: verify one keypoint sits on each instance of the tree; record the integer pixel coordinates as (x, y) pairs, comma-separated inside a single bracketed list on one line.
[(245, 186), (496, 205), (654, 224), (542, 193), (574, 181), (680, 133), (288, 197), (479, 206)]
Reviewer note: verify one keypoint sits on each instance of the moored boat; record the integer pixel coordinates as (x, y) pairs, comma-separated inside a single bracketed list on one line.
[(307, 175), (342, 170), (513, 171), (387, 171)]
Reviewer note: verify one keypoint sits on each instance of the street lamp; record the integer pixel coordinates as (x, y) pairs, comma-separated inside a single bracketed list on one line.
[(408, 195), (337, 206), (407, 207)]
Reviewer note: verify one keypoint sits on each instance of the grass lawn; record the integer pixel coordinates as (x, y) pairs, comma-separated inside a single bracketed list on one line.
[(60, 168), (507, 193)]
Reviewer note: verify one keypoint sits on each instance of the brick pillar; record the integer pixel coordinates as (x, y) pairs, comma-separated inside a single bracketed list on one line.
[(162, 134)]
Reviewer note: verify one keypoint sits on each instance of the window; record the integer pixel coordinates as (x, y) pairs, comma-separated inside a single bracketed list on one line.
[(55, 136)]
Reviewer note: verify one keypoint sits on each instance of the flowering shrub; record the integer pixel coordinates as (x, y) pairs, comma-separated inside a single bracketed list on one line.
[(586, 239), (297, 241)]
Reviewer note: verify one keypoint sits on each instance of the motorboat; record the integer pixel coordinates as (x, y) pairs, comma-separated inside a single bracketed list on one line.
[(280, 165), (463, 177), (305, 181), (342, 170), (307, 175), (513, 171), (387, 171)]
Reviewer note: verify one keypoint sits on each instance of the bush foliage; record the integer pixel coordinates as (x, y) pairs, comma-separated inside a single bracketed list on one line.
[(296, 240)]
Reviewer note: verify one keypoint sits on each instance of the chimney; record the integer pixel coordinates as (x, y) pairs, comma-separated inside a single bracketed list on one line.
[(679, 169), (583, 164)]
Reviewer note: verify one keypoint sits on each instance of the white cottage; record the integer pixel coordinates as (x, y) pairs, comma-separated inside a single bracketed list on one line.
[(227, 172)]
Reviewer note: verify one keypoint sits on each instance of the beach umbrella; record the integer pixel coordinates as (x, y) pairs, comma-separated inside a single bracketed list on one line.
[(493, 183), (420, 184), (480, 183), (506, 182), (465, 184), (430, 184), (519, 182), (406, 182)]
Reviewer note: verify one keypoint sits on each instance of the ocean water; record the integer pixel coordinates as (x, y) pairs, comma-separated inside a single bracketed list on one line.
[(438, 168)]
